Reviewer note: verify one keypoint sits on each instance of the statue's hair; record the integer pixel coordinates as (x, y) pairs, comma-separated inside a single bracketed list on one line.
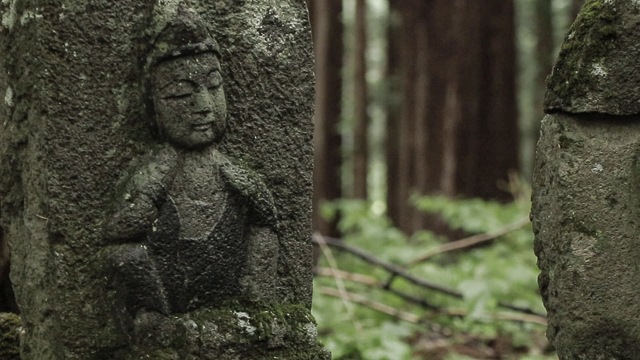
[(184, 33)]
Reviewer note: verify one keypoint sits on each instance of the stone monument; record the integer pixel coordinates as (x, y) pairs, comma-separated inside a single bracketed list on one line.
[(587, 184), (155, 178)]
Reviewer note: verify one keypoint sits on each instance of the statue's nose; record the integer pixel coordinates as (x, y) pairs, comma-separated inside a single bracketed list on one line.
[(203, 101)]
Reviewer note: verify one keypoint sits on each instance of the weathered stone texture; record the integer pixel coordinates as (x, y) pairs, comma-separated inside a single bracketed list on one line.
[(73, 115), (586, 187), (585, 211)]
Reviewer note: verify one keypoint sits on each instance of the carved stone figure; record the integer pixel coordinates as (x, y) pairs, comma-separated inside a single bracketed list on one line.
[(194, 229), (139, 228)]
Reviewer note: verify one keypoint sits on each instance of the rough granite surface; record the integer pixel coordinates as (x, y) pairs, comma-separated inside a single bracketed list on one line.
[(73, 116), (586, 204)]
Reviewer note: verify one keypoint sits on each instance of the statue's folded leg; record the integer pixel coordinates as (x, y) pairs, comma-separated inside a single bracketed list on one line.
[(135, 281)]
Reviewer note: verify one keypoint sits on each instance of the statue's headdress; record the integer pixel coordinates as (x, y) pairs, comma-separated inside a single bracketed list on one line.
[(181, 32)]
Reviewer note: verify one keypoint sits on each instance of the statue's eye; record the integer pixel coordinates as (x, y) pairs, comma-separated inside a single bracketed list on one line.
[(178, 89), (214, 80)]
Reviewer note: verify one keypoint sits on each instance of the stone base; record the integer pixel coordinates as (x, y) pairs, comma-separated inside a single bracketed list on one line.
[(285, 332)]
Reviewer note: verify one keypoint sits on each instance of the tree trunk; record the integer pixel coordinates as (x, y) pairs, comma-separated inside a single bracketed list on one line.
[(326, 20), (458, 125), (498, 112), (576, 5), (360, 133), (401, 121), (393, 143), (544, 54)]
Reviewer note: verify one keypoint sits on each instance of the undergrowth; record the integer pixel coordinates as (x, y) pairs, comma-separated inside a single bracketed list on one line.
[(361, 318)]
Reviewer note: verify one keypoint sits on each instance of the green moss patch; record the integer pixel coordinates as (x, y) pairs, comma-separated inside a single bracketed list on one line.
[(283, 332), (9, 336), (590, 39)]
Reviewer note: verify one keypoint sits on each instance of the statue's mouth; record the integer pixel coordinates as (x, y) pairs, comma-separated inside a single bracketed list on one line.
[(202, 126)]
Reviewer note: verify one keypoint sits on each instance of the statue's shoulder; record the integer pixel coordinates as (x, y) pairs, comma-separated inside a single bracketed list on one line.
[(140, 191), (250, 186), (151, 172)]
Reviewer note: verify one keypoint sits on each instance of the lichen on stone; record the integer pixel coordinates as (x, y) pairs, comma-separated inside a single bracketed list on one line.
[(8, 11), (8, 97)]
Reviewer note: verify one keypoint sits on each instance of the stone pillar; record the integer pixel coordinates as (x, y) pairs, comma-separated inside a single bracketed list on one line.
[(79, 129), (586, 189)]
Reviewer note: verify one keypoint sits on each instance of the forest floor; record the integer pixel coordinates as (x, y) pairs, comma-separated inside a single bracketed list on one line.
[(445, 345)]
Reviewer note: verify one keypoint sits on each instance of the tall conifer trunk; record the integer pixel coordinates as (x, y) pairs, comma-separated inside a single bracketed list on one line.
[(326, 20), (457, 126), (361, 121)]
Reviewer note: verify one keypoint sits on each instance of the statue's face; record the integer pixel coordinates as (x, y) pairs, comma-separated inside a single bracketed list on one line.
[(189, 100)]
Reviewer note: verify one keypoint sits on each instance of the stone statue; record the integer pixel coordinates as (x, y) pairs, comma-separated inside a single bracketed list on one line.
[(189, 229), (141, 218)]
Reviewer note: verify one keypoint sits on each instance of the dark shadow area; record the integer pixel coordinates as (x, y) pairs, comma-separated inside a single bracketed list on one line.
[(7, 297)]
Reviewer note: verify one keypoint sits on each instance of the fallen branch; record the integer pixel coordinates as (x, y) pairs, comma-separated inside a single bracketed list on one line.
[(345, 275), (470, 241), (524, 318), (412, 318), (393, 269)]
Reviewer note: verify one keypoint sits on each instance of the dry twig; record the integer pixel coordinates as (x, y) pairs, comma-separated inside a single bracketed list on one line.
[(374, 305), (470, 241), (326, 251), (375, 283)]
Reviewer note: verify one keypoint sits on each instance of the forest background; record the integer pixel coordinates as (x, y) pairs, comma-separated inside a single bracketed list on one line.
[(427, 116)]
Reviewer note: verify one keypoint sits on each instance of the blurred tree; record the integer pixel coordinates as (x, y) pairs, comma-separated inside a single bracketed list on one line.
[(576, 5), (545, 56), (397, 194), (360, 134), (326, 21), (457, 131), (397, 180)]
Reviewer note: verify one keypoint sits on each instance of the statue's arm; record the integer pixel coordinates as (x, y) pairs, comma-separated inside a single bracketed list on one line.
[(260, 280), (131, 218), (254, 191), (136, 204)]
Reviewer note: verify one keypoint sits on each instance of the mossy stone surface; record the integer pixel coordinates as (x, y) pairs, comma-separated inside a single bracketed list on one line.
[(285, 332), (597, 70), (10, 326), (73, 115)]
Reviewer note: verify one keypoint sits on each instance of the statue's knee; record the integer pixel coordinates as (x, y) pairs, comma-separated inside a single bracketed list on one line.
[(135, 280), (129, 258)]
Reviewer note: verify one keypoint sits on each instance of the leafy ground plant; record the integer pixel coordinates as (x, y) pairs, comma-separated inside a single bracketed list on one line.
[(382, 295)]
